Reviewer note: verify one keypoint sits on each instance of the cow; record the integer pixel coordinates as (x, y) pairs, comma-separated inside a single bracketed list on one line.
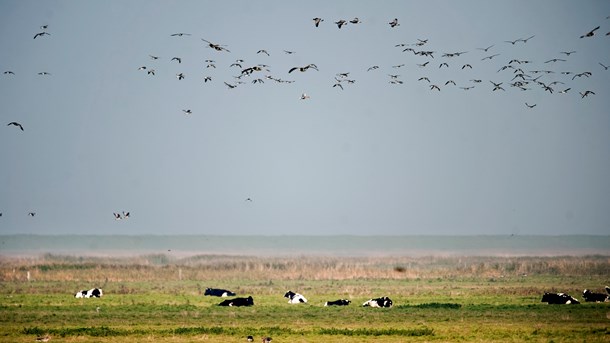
[(378, 302), (596, 297), (558, 298), (340, 302), (238, 302), (219, 292), (294, 298), (92, 293)]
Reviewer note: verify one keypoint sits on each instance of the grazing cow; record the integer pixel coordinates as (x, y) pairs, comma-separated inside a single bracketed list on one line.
[(558, 298), (238, 302), (340, 302), (596, 297), (218, 292), (294, 298), (379, 302), (92, 293)]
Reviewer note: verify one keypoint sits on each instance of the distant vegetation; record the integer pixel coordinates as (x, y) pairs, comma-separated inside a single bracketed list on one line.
[(156, 267)]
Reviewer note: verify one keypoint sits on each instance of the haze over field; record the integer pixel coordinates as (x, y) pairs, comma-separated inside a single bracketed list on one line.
[(372, 149)]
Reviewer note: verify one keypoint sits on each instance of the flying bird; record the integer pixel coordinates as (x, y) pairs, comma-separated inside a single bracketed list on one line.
[(568, 53), (340, 23), (8, 72), (180, 34), (187, 111), (489, 57), (176, 59), (497, 86), (487, 48), (355, 21), (302, 69), (40, 34), (530, 106), (31, 214), (14, 123), (526, 39), (590, 33), (304, 96), (317, 21), (216, 47), (586, 93), (180, 76), (394, 23), (605, 67), (372, 68)]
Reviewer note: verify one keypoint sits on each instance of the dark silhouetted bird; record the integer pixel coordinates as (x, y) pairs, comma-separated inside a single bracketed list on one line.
[(40, 34), (14, 123), (590, 33)]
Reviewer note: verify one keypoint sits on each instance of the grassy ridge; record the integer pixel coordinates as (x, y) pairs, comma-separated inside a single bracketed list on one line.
[(436, 299)]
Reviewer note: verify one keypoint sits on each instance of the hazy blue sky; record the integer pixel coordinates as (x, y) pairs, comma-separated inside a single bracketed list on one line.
[(102, 136)]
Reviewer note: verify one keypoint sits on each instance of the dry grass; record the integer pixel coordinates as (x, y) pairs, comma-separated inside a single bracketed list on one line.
[(162, 267)]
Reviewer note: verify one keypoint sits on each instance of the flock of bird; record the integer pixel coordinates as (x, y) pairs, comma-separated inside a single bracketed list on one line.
[(514, 73), (517, 73)]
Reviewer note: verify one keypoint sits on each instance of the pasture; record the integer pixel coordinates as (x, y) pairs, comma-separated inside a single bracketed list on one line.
[(159, 298)]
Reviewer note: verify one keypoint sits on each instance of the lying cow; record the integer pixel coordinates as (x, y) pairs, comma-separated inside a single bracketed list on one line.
[(558, 298), (216, 292), (92, 293), (294, 298), (379, 302), (340, 302), (596, 297), (238, 302)]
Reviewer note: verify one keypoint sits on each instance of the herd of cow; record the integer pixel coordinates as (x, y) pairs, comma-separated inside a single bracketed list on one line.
[(296, 298)]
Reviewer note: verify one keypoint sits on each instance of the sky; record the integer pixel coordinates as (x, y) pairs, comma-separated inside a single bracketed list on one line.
[(384, 153)]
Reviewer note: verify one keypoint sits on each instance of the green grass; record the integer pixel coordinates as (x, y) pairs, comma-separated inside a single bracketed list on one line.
[(450, 306)]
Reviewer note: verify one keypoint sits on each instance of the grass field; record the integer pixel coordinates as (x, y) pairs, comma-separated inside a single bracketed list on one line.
[(436, 299)]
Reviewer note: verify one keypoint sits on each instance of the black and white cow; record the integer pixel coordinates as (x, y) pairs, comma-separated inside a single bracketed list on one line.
[(216, 292), (238, 302), (92, 293), (340, 302), (379, 302), (596, 297), (294, 298), (558, 298)]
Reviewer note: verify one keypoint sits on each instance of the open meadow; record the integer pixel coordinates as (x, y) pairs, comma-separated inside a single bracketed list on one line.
[(159, 298)]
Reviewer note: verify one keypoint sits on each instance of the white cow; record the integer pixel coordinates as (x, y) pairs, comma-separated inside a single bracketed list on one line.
[(92, 293), (294, 298)]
